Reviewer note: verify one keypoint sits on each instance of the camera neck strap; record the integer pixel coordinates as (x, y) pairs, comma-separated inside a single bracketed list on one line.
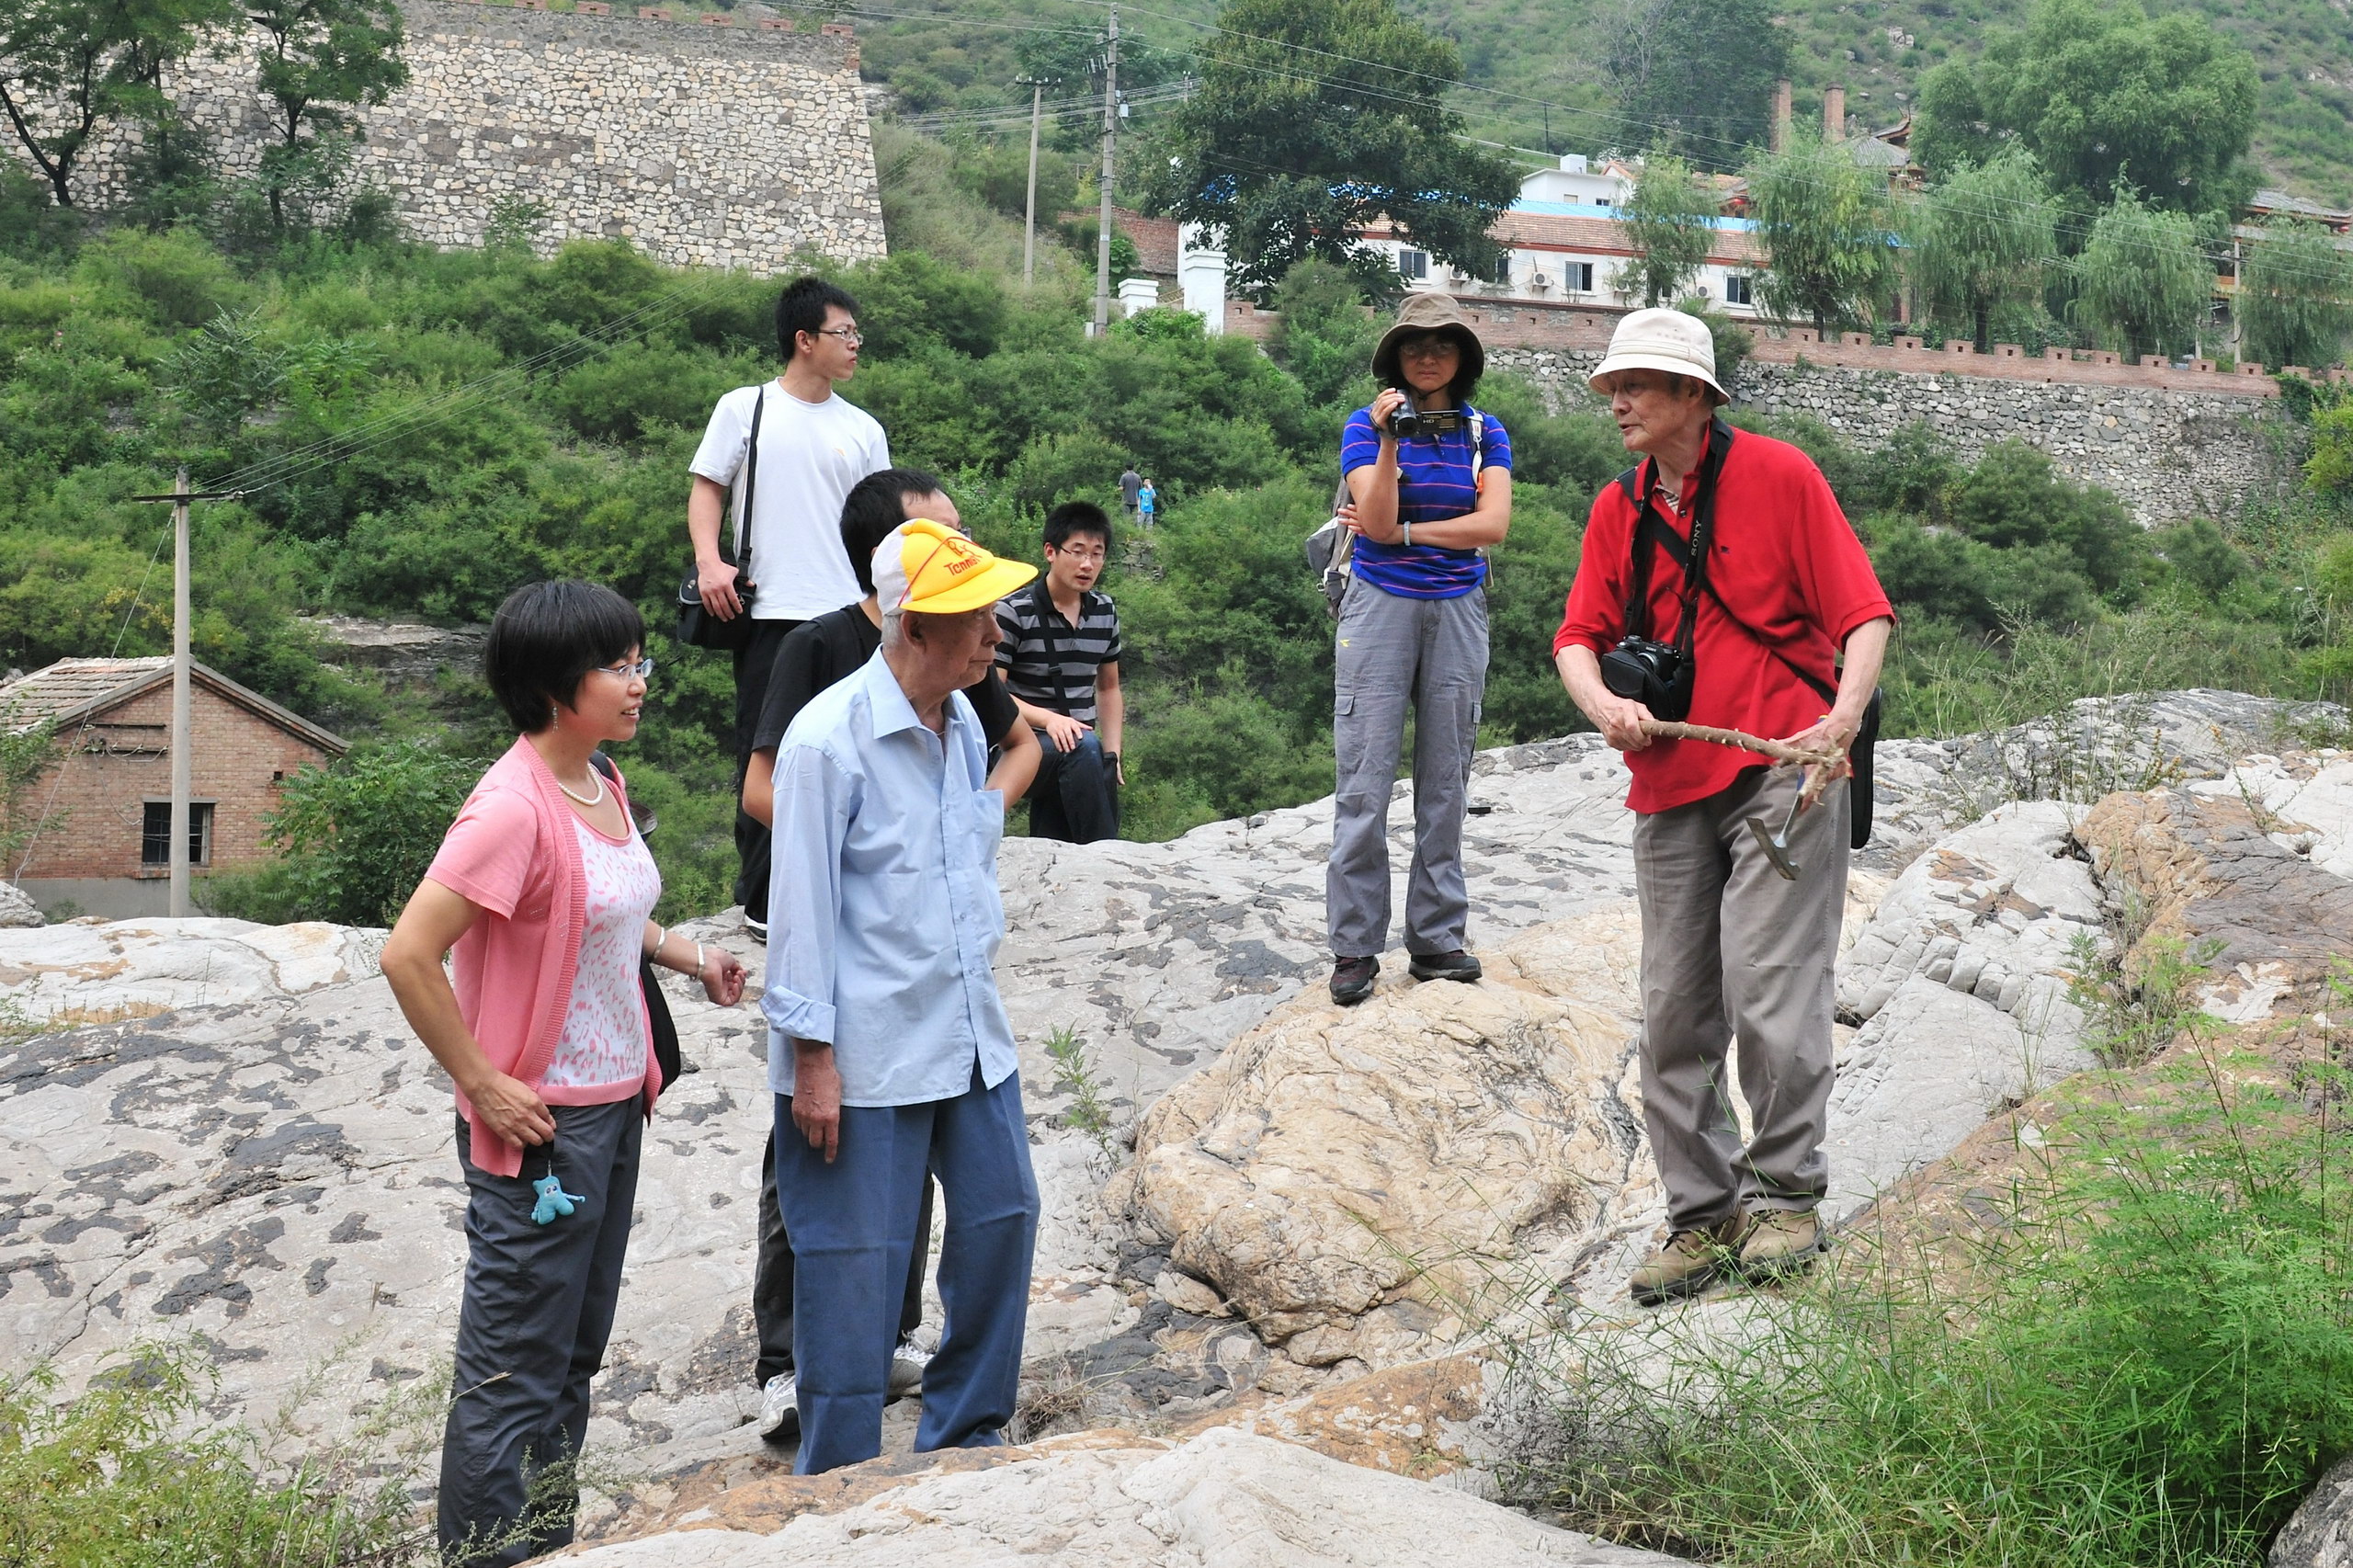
[(1650, 530)]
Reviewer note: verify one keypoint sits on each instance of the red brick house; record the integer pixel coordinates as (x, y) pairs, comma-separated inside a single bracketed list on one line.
[(105, 809)]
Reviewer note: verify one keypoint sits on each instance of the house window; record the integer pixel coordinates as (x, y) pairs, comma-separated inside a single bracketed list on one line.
[(1578, 276), (155, 833), (1736, 289), (1602, 201), (1413, 265)]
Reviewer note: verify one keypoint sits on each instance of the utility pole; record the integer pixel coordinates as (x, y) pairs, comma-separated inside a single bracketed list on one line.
[(1110, 134), (1037, 85), (182, 770), (182, 742)]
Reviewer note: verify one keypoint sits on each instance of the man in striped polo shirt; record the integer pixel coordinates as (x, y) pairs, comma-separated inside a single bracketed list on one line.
[(1061, 658)]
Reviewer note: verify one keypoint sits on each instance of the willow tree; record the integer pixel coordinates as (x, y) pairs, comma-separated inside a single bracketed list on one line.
[(1985, 240), (2295, 297), (1828, 233), (2143, 281), (1669, 221)]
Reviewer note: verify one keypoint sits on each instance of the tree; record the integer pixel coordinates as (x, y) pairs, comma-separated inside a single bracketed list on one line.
[(1670, 220), (1699, 79), (1826, 228), (2143, 281), (1986, 236), (2096, 89), (2295, 297), (66, 66), (319, 60), (1313, 120), (1324, 336)]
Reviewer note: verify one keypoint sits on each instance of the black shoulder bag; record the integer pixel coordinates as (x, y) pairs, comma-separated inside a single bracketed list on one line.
[(698, 628), (1652, 530), (658, 1022)]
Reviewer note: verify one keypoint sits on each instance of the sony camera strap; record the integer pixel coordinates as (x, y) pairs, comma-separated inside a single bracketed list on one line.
[(1651, 529)]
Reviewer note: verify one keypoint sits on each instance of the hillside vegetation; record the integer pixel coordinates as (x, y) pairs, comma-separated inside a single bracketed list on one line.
[(1520, 55)]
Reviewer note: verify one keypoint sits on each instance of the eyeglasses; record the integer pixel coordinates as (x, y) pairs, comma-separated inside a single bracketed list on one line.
[(849, 335), (641, 670), (1073, 554), (1429, 349)]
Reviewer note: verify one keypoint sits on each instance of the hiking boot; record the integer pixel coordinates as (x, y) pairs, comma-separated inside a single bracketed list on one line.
[(907, 1365), (1456, 965), (780, 1408), (1781, 1242), (1688, 1264), (1352, 980)]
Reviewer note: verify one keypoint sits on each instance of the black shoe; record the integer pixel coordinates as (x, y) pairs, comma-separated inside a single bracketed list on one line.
[(758, 929), (1456, 965), (1352, 980)]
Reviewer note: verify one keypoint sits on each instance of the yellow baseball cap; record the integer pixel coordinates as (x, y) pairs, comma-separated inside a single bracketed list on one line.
[(931, 569)]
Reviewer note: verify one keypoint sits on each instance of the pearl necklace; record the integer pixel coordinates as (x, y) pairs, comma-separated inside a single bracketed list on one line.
[(590, 801)]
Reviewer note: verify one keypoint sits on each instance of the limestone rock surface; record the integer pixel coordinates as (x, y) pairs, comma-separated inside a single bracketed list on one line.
[(1225, 1499), (2320, 1533), (17, 910), (1335, 1162), (92, 971)]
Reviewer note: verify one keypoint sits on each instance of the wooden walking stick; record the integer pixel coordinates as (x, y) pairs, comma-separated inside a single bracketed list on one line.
[(1774, 844)]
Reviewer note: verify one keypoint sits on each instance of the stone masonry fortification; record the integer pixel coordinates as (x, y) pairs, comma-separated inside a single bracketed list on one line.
[(734, 146)]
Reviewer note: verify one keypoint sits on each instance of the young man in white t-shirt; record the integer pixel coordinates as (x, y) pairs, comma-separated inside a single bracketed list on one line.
[(813, 446)]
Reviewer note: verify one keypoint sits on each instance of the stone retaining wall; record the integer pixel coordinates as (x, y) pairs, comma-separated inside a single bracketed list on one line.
[(2166, 452), (733, 146)]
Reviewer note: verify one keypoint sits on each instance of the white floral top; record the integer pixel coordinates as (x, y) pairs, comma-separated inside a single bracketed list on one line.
[(603, 1052)]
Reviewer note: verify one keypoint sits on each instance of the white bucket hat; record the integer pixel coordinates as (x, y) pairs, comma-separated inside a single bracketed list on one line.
[(1661, 339)]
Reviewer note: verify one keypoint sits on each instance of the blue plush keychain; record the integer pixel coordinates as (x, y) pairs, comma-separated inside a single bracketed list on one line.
[(553, 1200)]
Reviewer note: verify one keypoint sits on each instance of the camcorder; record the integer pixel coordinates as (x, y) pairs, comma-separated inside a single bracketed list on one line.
[(1405, 421), (1656, 675)]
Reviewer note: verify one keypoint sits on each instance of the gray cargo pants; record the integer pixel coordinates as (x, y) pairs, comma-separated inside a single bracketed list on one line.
[(1730, 949), (531, 1331), (1391, 651)]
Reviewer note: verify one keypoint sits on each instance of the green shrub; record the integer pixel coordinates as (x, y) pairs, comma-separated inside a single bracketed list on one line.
[(176, 278), (128, 1475), (2146, 1363), (358, 835)]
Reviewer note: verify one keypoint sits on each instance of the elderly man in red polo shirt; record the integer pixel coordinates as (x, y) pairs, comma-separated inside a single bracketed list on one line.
[(1750, 638)]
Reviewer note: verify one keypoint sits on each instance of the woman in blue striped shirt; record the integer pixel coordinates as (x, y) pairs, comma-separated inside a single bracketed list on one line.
[(1413, 630)]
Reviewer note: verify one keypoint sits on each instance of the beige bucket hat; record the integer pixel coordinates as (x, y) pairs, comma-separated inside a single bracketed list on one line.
[(1429, 312), (1661, 339)]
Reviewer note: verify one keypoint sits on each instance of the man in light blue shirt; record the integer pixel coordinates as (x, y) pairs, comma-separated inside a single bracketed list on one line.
[(889, 1050)]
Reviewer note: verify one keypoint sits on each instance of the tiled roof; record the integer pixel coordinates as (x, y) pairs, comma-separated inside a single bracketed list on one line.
[(67, 685), (1607, 236)]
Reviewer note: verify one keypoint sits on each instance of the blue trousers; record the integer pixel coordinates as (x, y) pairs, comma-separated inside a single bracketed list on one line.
[(853, 1228)]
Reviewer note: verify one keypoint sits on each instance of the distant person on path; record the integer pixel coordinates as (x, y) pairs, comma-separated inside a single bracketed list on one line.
[(545, 890), (1147, 503), (1061, 657), (1729, 946), (889, 1050), (831, 648), (1413, 632), (813, 446), (1131, 487)]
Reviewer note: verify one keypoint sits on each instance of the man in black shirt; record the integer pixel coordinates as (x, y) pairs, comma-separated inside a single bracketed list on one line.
[(813, 656)]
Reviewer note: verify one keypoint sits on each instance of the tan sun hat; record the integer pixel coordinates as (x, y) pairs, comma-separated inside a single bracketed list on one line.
[(1429, 312), (1661, 339)]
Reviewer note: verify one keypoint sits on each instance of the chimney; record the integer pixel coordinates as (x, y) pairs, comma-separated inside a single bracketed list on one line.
[(1781, 114), (1834, 114)]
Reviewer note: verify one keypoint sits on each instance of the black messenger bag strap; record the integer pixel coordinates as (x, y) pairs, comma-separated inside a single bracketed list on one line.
[(751, 483), (1651, 529)]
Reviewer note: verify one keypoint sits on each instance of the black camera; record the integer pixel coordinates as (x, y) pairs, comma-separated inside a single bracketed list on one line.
[(1656, 675), (1405, 421)]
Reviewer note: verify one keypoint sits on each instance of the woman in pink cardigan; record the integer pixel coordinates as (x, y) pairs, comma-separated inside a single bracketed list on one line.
[(545, 892)]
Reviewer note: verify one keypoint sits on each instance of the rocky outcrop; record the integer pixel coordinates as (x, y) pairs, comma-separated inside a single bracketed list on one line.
[(2321, 1533), (1225, 1499), (400, 649), (91, 970), (17, 910), (1355, 1181)]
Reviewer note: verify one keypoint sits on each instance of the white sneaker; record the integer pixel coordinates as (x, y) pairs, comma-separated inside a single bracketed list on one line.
[(907, 1364), (758, 929), (780, 1408)]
